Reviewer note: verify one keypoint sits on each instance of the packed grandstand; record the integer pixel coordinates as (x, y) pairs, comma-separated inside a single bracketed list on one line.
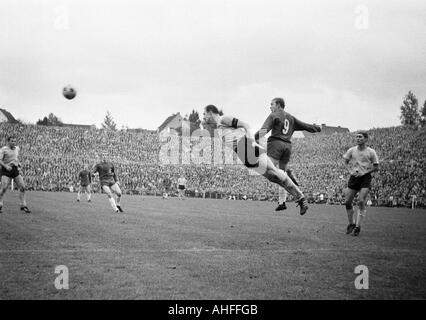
[(52, 157)]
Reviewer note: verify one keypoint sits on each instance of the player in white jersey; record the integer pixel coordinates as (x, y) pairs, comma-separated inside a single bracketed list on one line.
[(181, 187), (239, 136), (11, 169), (361, 162)]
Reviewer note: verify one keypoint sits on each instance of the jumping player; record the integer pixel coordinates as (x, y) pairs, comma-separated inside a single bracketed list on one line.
[(11, 169), (181, 187), (85, 181), (109, 183), (361, 162), (283, 125), (239, 136)]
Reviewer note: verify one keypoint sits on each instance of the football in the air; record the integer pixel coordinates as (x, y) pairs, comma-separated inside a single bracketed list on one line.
[(69, 92)]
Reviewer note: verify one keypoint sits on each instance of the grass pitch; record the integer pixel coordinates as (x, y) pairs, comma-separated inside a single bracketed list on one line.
[(205, 249)]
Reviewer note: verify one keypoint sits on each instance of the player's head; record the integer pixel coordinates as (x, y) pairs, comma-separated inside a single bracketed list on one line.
[(210, 114), (104, 156), (11, 141), (361, 137), (277, 103)]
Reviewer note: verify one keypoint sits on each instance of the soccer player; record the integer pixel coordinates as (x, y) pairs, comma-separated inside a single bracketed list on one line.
[(361, 161), (181, 187), (166, 185), (283, 125), (11, 170), (85, 181), (109, 183), (239, 136)]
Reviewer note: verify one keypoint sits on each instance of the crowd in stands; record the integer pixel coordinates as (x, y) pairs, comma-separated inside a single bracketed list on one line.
[(52, 157)]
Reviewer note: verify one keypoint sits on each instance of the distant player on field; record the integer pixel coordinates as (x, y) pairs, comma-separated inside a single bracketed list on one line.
[(10, 169), (361, 162), (109, 183), (167, 183), (239, 136), (181, 185), (283, 126), (85, 181)]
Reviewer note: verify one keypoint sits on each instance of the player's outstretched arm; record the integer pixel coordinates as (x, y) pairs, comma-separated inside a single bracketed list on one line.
[(237, 123), (303, 126)]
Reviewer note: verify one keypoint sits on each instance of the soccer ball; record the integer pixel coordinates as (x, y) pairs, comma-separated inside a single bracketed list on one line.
[(69, 92)]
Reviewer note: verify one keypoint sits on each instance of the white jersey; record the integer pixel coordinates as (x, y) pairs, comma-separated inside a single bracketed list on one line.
[(231, 134), (9, 156), (361, 160), (182, 182)]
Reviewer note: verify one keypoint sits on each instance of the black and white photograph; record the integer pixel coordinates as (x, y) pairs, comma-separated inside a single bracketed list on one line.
[(220, 151)]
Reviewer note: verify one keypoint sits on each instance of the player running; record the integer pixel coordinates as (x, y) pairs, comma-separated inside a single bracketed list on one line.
[(239, 136), (109, 183), (181, 186), (283, 125), (85, 181), (11, 170), (361, 162)]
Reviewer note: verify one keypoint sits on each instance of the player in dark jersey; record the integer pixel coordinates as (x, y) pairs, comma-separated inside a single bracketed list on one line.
[(283, 125), (167, 183), (109, 183), (239, 137), (85, 180)]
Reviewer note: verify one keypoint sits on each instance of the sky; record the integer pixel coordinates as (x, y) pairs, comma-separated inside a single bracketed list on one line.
[(347, 63)]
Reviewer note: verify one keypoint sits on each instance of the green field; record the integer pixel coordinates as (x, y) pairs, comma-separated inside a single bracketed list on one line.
[(205, 249)]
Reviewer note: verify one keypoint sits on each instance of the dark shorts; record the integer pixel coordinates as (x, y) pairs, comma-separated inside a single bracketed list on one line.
[(359, 183), (180, 187), (108, 183), (248, 154), (279, 150), (84, 185), (11, 174)]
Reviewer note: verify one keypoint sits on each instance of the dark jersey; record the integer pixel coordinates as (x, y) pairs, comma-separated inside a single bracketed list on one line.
[(106, 172), (283, 125), (167, 183), (85, 177)]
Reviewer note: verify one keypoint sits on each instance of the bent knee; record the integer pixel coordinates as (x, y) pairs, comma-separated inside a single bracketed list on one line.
[(272, 176), (348, 205)]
